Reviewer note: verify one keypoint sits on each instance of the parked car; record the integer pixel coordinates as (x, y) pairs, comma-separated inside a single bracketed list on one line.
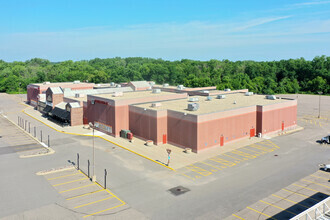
[(325, 167), (325, 140)]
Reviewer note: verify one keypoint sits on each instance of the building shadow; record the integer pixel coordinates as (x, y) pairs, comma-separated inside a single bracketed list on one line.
[(300, 206)]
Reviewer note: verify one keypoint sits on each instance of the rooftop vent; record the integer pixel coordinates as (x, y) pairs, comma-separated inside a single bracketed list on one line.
[(118, 86), (227, 90), (117, 94), (193, 99), (209, 98), (221, 96), (76, 82), (249, 93), (77, 95), (156, 91), (165, 85), (235, 102), (46, 83), (193, 106), (271, 97), (156, 104), (181, 87)]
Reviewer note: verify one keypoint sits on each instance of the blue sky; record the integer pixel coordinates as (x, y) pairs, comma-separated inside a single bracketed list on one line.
[(172, 30)]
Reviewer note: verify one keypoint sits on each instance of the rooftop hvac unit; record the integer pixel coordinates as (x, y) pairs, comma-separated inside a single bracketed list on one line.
[(249, 93), (76, 82), (77, 95), (98, 84), (227, 90), (221, 96), (118, 86), (193, 106), (181, 87), (156, 104), (152, 83), (205, 91), (271, 97), (165, 85), (112, 84), (156, 91), (209, 98), (117, 94), (193, 99), (46, 83)]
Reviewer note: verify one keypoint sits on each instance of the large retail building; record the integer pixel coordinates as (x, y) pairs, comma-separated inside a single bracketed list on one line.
[(198, 118)]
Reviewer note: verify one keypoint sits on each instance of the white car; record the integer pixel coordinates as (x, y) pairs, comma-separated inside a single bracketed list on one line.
[(325, 167)]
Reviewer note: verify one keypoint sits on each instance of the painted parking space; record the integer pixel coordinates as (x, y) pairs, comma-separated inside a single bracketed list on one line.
[(84, 197), (289, 201), (15, 140), (314, 120), (229, 159)]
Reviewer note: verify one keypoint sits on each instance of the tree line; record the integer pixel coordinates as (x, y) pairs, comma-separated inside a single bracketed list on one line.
[(271, 77)]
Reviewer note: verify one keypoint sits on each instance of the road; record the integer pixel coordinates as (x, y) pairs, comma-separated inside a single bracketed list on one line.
[(143, 185)]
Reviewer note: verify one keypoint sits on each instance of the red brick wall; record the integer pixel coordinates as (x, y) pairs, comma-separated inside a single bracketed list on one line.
[(143, 124), (232, 128), (76, 115)]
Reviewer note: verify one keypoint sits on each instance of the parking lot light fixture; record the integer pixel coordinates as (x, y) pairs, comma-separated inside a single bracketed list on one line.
[(93, 176)]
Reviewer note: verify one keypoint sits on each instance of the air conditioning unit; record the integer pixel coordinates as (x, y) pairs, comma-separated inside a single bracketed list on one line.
[(156, 91), (156, 104), (193, 99), (117, 94), (209, 98), (193, 106), (206, 92), (271, 97), (118, 86), (249, 93), (180, 87), (165, 85), (221, 96), (227, 90), (76, 82), (112, 84), (46, 83)]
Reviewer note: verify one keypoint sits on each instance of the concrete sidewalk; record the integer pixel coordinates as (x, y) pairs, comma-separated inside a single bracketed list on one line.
[(157, 154)]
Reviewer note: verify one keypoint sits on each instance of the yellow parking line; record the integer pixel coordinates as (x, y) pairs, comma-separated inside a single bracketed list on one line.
[(302, 195), (70, 182), (104, 210), (305, 187), (76, 188), (93, 202), (85, 194), (211, 165), (261, 213), (238, 160), (259, 153), (271, 144), (198, 170), (238, 217), (290, 200), (58, 177), (262, 148), (277, 207), (315, 183), (185, 175), (320, 177)]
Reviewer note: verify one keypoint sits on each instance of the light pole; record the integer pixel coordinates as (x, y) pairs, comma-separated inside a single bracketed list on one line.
[(94, 176), (320, 93)]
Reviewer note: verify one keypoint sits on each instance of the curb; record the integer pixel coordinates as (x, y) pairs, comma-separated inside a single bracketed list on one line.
[(45, 172), (49, 152), (101, 138)]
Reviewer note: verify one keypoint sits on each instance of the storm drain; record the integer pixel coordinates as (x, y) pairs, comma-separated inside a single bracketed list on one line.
[(178, 190)]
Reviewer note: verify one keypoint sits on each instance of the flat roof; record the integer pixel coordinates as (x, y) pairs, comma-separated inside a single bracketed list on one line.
[(215, 105), (133, 95)]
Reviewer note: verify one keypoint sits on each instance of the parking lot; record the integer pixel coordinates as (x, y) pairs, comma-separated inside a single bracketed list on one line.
[(232, 158), (84, 197), (289, 201)]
